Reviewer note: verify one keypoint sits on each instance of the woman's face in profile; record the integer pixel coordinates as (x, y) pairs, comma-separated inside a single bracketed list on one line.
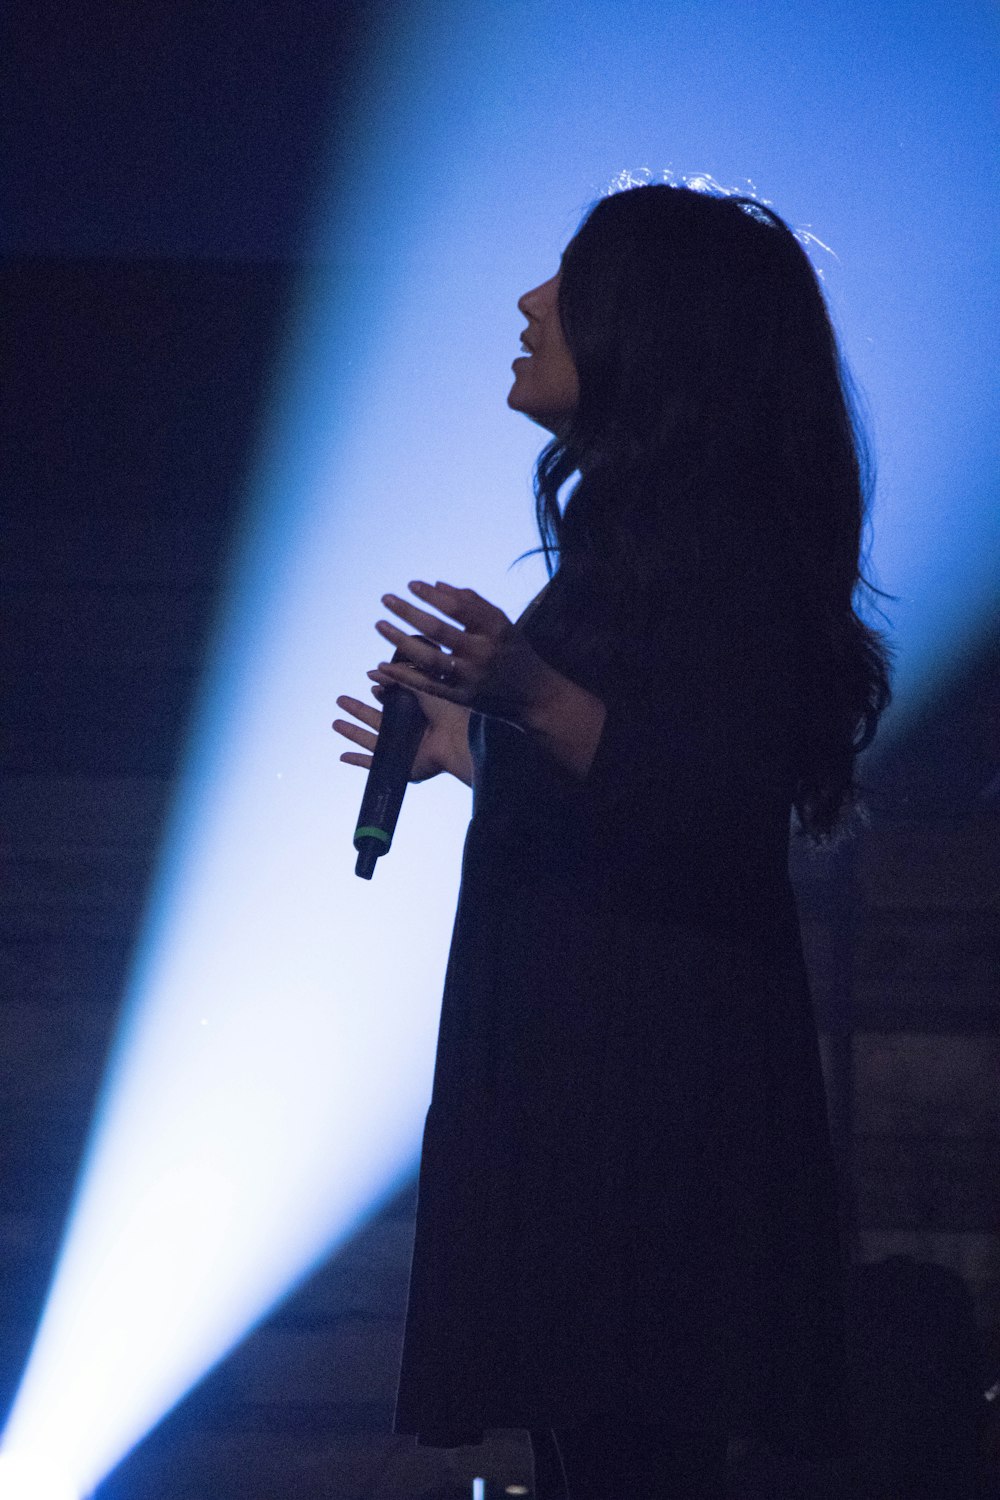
[(545, 382)]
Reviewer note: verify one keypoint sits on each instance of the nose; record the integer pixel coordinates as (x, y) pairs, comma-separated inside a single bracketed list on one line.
[(533, 303)]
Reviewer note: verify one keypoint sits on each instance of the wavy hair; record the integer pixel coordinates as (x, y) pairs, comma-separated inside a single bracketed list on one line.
[(716, 424)]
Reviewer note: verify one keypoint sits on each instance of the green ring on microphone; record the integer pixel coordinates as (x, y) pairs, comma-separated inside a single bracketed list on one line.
[(372, 833)]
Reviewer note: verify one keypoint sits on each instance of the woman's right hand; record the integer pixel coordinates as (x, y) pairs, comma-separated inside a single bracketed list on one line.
[(444, 745)]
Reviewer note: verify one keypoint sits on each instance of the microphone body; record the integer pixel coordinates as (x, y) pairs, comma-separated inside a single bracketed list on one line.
[(403, 724)]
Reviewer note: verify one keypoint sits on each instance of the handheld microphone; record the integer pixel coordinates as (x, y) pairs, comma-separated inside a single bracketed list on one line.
[(403, 724)]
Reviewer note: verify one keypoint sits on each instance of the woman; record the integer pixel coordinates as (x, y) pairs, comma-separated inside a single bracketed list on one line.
[(627, 1234)]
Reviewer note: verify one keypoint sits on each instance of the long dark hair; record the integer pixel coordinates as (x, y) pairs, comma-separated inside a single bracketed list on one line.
[(717, 426)]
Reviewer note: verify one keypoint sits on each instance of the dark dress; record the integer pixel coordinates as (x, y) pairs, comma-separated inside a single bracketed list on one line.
[(627, 1202)]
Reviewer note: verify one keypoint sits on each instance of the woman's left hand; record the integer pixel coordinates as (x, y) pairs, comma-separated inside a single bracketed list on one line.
[(483, 662)]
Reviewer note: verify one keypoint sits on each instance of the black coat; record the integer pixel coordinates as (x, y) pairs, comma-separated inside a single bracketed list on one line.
[(626, 1198)]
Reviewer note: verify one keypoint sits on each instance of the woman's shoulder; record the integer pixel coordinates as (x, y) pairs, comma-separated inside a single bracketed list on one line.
[(529, 610)]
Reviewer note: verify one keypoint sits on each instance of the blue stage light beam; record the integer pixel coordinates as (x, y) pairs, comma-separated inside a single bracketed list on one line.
[(267, 1087)]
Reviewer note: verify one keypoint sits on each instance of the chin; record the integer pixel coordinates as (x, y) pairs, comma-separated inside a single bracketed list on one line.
[(516, 402)]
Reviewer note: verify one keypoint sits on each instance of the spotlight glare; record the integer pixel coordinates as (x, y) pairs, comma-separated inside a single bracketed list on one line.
[(27, 1476)]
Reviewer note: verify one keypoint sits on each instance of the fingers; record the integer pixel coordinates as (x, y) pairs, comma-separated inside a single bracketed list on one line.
[(481, 619), (432, 626), (362, 737), (465, 605), (416, 653), (417, 680), (357, 760), (362, 711)]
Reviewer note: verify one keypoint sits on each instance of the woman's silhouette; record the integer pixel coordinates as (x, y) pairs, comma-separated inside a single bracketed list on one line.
[(627, 1234)]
